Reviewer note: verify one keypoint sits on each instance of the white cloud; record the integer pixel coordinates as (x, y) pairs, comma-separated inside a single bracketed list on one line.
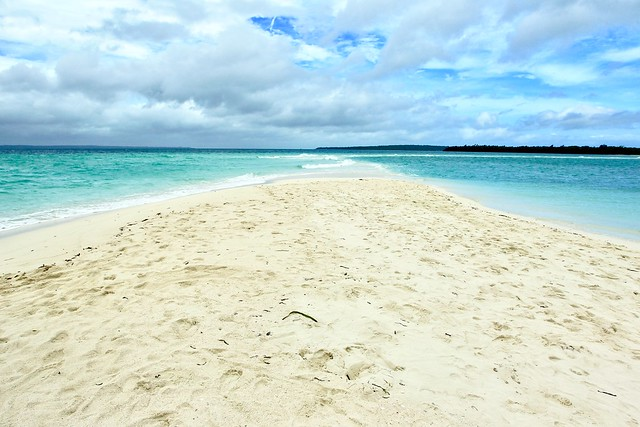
[(202, 70), (22, 77), (427, 31), (365, 15), (539, 24), (486, 119), (313, 53), (625, 55), (491, 134), (565, 74), (586, 116), (125, 49)]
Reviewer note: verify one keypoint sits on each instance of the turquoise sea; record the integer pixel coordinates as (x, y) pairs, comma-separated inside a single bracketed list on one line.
[(594, 193)]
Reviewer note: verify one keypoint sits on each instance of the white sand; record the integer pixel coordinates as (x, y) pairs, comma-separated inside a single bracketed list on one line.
[(429, 309)]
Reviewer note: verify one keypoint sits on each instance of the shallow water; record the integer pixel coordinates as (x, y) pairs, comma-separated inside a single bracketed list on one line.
[(595, 193)]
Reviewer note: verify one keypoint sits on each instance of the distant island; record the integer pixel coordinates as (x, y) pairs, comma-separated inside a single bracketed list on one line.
[(389, 148), (573, 149)]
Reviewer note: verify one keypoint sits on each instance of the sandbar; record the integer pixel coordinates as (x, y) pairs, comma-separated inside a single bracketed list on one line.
[(319, 302)]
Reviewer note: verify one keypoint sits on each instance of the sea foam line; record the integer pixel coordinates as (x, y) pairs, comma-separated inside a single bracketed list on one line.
[(346, 168), (344, 163), (65, 213)]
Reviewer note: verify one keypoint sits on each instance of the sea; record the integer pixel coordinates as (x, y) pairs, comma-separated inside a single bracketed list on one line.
[(38, 185)]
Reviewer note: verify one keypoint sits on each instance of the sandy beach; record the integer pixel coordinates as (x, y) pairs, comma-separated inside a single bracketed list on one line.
[(330, 302)]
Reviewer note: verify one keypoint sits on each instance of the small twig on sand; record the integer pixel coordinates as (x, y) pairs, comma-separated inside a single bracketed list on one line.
[(386, 393), (301, 314), (606, 392)]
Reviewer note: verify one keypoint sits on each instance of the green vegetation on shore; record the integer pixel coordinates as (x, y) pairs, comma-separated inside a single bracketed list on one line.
[(389, 148), (573, 149), (602, 149)]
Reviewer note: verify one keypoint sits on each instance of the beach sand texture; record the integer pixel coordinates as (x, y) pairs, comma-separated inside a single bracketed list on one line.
[(336, 302)]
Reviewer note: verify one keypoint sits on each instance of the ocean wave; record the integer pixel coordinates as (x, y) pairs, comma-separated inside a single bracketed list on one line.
[(62, 213), (344, 163), (303, 156), (355, 156), (66, 213)]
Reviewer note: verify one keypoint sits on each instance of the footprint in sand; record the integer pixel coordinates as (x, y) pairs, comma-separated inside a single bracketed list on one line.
[(355, 370), (230, 378), (561, 399), (317, 360), (60, 336), (185, 327), (53, 356)]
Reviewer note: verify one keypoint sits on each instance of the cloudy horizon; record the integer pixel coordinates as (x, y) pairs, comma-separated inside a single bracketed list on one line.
[(302, 74)]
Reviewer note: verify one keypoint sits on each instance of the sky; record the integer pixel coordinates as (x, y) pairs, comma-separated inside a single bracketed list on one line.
[(308, 73)]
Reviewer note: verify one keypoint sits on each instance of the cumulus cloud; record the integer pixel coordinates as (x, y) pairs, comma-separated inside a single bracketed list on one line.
[(365, 15), (428, 30), (585, 116), (482, 135), (539, 24), (622, 55), (565, 74), (242, 62), (486, 119), (23, 77), (44, 118), (284, 72), (120, 26)]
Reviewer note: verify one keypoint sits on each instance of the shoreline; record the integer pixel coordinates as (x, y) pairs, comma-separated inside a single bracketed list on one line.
[(125, 202), (568, 227), (49, 236), (328, 302), (594, 229), (593, 226)]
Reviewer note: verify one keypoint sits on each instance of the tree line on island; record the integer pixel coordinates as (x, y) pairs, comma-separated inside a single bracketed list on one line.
[(389, 148), (572, 149)]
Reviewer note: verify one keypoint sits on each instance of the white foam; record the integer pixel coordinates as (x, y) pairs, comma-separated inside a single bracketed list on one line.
[(303, 156), (40, 217), (344, 168), (344, 163)]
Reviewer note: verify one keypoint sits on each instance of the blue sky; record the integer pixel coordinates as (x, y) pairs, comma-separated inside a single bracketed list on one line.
[(301, 74)]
